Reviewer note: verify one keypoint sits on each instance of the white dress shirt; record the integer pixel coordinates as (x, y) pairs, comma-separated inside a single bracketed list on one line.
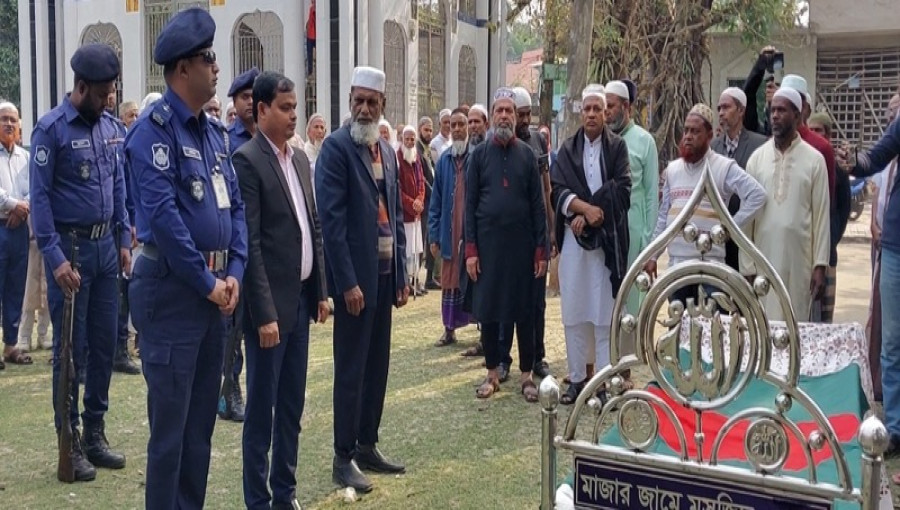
[(13, 178), (285, 160)]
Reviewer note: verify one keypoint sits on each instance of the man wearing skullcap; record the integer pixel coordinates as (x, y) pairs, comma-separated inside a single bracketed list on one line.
[(441, 142), (190, 262), (643, 158), (412, 196), (478, 124), (506, 242), (77, 193), (241, 92), (423, 147), (445, 223), (591, 193), (14, 234), (792, 231), (738, 143), (315, 135), (365, 245), (230, 114), (680, 179), (231, 402)]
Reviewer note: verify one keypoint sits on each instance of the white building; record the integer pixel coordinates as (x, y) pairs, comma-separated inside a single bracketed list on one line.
[(436, 53)]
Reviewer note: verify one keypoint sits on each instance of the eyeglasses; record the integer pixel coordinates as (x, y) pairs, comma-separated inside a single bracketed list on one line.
[(209, 56)]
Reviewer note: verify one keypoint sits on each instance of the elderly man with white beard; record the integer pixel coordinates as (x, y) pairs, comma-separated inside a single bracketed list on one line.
[(445, 224), (315, 135), (412, 197), (365, 254)]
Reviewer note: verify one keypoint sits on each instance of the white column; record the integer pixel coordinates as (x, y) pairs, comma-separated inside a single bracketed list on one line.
[(375, 42), (26, 112), (481, 52), (294, 52), (323, 63), (42, 48), (346, 55)]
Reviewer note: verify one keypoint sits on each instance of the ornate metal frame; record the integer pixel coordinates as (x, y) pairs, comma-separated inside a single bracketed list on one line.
[(704, 389)]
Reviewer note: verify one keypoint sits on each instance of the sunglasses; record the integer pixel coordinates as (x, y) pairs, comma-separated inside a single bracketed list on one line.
[(209, 56)]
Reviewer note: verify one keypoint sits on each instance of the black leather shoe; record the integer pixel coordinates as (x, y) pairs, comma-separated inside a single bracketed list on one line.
[(369, 458), (345, 473), (124, 364), (84, 470), (432, 285), (503, 372), (96, 447), (541, 369), (237, 402)]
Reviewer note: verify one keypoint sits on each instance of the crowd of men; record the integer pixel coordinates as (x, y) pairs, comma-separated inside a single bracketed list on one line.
[(222, 240)]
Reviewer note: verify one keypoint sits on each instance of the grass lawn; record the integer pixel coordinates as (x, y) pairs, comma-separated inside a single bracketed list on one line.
[(460, 452)]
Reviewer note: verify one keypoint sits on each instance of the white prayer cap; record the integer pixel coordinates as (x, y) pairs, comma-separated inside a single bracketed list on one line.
[(6, 105), (478, 107), (312, 118), (736, 94), (523, 97), (384, 122), (150, 99), (505, 94), (594, 90), (368, 78), (618, 88), (791, 95), (409, 129), (444, 113), (798, 83)]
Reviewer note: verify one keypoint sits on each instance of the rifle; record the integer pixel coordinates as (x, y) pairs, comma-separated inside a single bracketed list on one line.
[(234, 338), (65, 472)]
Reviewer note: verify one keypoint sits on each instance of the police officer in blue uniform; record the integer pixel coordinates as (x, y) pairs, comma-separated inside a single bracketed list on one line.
[(78, 200), (189, 262), (231, 406)]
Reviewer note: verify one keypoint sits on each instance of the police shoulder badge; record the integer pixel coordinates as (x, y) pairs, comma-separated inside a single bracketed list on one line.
[(85, 169), (197, 190), (41, 155), (160, 156)]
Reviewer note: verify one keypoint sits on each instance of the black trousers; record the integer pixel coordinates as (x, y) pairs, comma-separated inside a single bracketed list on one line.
[(362, 349), (540, 307), (494, 352)]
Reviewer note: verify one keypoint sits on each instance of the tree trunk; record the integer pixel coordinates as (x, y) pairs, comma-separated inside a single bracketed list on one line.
[(580, 37), (546, 116)]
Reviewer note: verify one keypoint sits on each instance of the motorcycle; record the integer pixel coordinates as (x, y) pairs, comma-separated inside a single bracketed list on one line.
[(859, 195)]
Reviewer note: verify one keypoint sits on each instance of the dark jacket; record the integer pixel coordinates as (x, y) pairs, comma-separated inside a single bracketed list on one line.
[(412, 187), (613, 197), (272, 282), (347, 200), (751, 88)]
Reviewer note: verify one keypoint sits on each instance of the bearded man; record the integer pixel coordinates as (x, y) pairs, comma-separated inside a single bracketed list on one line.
[(426, 132), (793, 230), (315, 135), (445, 224), (506, 238), (365, 246), (478, 124), (412, 196)]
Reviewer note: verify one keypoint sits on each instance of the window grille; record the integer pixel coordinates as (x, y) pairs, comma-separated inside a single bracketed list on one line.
[(395, 73), (468, 69), (432, 42), (106, 33), (258, 41), (156, 14)]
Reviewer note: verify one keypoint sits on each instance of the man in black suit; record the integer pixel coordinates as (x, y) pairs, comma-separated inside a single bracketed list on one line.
[(285, 289), (737, 143), (358, 195)]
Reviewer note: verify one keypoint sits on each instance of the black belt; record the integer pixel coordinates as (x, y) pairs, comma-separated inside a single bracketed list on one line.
[(92, 232), (216, 260)]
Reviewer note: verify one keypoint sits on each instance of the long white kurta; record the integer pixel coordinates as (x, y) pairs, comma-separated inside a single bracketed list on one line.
[(792, 231), (584, 285)]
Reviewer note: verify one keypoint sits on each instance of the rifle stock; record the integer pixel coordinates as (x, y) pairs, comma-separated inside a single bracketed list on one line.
[(65, 472)]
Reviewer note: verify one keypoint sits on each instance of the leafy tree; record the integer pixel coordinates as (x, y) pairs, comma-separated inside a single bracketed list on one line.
[(9, 51)]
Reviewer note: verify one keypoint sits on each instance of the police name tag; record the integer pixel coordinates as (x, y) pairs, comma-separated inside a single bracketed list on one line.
[(81, 144), (192, 153), (220, 187)]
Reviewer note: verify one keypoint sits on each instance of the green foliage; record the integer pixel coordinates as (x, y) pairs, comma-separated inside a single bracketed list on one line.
[(9, 51), (522, 37), (754, 20)]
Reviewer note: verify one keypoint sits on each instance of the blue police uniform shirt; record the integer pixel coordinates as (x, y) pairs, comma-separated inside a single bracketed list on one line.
[(173, 156), (77, 177), (238, 134)]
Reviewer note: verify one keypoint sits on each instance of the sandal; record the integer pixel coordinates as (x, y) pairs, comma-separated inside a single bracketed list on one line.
[(529, 391), (17, 357), (474, 351), (487, 388), (448, 338), (571, 395)]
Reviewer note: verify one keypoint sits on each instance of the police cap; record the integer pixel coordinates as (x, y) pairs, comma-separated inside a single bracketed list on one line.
[(243, 81), (95, 63), (187, 32)]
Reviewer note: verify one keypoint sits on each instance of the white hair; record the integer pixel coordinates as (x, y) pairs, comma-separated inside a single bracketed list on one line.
[(6, 105), (149, 100)]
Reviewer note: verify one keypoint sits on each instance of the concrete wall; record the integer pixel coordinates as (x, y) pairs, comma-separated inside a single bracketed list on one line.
[(729, 59), (833, 17)]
